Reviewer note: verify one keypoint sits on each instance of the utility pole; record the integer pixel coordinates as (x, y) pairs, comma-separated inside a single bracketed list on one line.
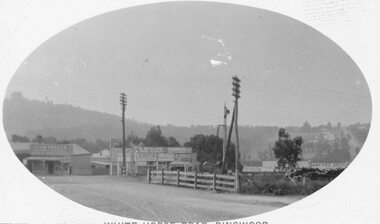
[(216, 141), (224, 167), (133, 147), (236, 94), (225, 114), (226, 111), (123, 103), (110, 145)]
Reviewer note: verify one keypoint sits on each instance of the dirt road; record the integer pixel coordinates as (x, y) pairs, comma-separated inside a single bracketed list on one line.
[(130, 197)]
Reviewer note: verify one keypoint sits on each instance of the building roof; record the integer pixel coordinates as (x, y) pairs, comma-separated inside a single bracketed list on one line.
[(139, 148), (25, 147), (20, 147), (49, 158), (269, 164), (77, 150)]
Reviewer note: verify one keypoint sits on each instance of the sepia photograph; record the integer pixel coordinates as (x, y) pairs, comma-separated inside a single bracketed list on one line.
[(187, 111)]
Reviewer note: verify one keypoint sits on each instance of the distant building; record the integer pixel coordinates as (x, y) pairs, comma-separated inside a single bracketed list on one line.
[(55, 159), (154, 158), (251, 169), (101, 157), (251, 166), (329, 166), (100, 162), (328, 136), (271, 166)]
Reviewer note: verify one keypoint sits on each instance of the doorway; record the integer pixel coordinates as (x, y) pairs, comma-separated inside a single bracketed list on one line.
[(50, 167)]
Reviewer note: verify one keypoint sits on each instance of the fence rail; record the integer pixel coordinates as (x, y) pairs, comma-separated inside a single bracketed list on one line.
[(193, 179)]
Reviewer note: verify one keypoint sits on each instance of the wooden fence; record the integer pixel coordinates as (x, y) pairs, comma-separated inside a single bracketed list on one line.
[(194, 180)]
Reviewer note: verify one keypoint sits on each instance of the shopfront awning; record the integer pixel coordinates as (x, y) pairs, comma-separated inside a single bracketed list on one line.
[(180, 163), (100, 163), (44, 158)]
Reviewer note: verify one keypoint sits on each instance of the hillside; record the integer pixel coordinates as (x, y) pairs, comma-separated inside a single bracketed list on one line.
[(31, 117)]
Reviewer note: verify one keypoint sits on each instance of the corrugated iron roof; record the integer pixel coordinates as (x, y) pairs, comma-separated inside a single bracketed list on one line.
[(77, 150), (20, 146), (26, 147)]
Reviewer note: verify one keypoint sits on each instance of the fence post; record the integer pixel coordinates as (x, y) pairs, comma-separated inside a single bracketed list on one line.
[(237, 185), (177, 178), (214, 181), (162, 177), (195, 180), (148, 176)]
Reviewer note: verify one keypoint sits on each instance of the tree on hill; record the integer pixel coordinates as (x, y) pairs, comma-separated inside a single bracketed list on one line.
[(134, 139), (335, 152), (19, 138), (288, 151), (154, 138), (16, 96), (306, 128), (329, 126), (46, 140), (172, 142)]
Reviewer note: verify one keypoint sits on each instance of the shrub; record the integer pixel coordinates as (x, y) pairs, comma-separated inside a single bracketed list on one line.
[(282, 188)]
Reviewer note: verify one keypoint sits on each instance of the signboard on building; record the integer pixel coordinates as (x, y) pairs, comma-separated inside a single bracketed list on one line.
[(166, 157), (145, 156), (329, 166), (51, 149), (150, 149), (182, 157), (184, 150), (153, 154)]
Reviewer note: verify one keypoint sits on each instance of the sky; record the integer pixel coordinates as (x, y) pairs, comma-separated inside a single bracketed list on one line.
[(175, 61)]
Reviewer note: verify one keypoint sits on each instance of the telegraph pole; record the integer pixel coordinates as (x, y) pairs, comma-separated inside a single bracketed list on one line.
[(224, 167), (225, 114), (110, 145), (236, 94), (123, 103), (216, 141)]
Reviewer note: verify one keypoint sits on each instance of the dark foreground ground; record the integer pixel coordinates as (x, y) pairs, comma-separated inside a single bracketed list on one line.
[(133, 198)]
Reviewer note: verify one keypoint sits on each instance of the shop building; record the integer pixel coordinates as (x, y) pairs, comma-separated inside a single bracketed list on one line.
[(58, 159), (139, 159), (21, 149)]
